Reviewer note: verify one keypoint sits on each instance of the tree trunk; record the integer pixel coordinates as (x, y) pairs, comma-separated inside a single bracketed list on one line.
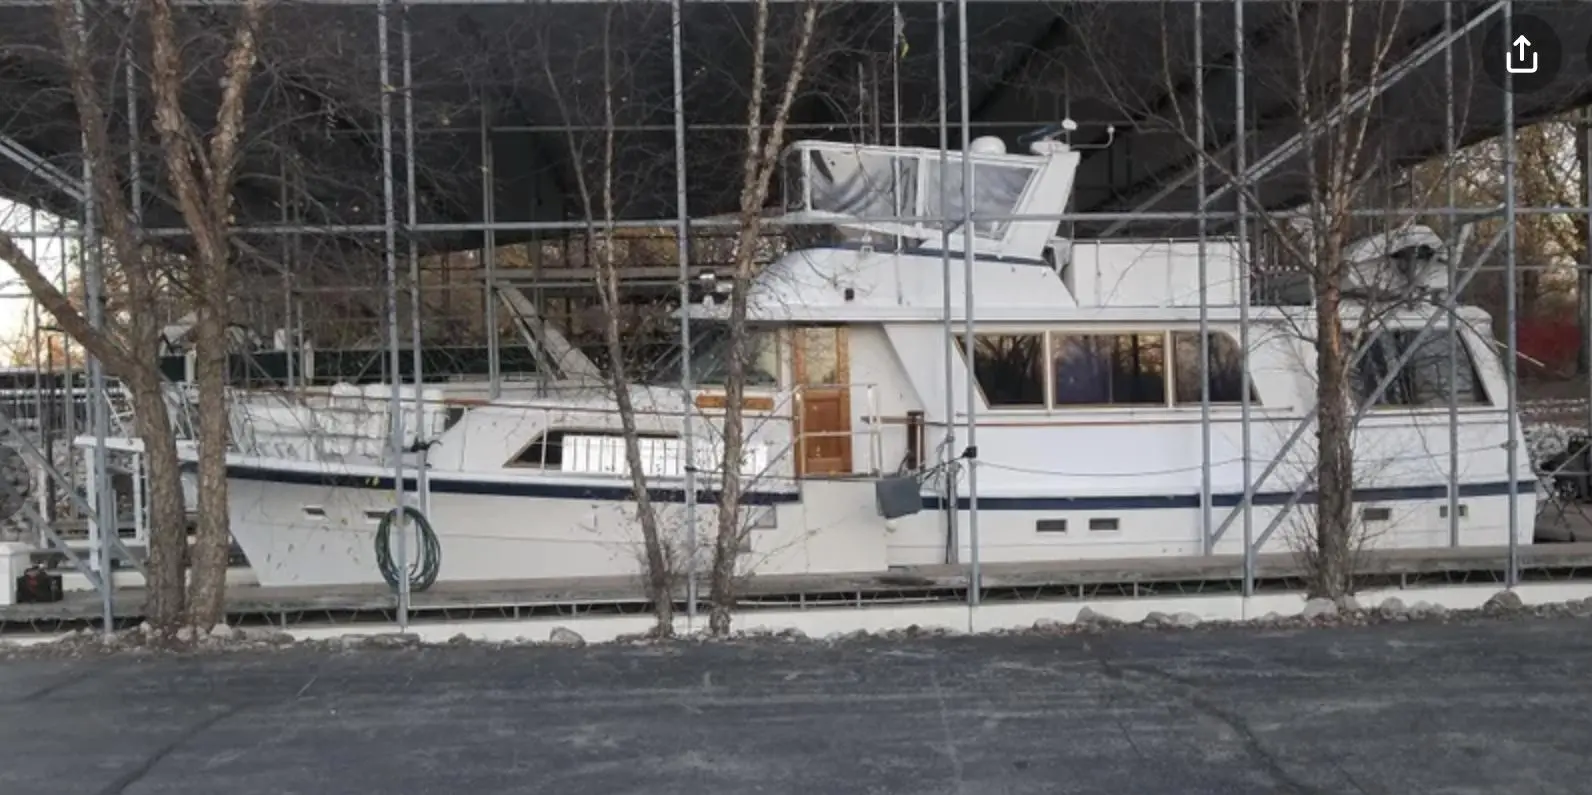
[(660, 574), (1331, 573), (212, 542), (727, 542), (168, 516)]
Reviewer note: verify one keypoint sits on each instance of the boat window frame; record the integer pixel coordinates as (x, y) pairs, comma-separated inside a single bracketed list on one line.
[(1487, 401), (1171, 373), (541, 435), (1048, 332)]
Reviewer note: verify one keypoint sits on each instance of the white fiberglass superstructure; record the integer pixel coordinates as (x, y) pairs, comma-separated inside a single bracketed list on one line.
[(1087, 401)]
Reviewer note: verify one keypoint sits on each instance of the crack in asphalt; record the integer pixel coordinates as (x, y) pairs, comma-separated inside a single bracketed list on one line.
[(1187, 690)]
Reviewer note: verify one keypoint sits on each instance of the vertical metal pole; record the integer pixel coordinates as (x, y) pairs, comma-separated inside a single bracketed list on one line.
[(1245, 266), (395, 413), (68, 395), (93, 295), (896, 42), (953, 538), (974, 582), (284, 249), (1450, 147), (1584, 130), (682, 232), (1511, 346), (135, 174), (417, 377), (1207, 541), (494, 362), (44, 411)]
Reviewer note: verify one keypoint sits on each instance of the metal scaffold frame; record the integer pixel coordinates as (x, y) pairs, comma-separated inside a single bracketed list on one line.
[(1229, 207)]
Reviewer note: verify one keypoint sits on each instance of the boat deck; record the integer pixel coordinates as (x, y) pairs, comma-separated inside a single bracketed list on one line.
[(1001, 581)]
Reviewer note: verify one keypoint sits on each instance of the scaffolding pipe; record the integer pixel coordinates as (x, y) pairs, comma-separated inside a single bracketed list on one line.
[(1200, 186), (1450, 150), (417, 362), (682, 233), (1512, 320), (721, 223), (1241, 206), (1584, 131), (953, 538), (395, 412), (494, 361), (104, 516), (969, 236)]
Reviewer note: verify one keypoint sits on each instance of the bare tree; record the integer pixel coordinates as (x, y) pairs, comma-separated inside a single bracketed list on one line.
[(759, 160), (201, 174), (1334, 51), (599, 213), (202, 177)]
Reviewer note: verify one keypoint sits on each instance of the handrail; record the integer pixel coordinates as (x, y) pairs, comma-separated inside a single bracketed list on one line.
[(783, 412)]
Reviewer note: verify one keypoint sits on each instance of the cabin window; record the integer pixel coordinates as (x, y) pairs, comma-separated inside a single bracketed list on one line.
[(547, 449), (1009, 368), (1109, 369), (1226, 368), (1423, 381)]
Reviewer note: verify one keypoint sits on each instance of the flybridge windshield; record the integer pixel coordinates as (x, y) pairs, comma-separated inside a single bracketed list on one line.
[(900, 191), (710, 349)]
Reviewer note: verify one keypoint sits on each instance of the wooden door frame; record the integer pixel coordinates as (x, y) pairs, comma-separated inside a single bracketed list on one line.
[(843, 389)]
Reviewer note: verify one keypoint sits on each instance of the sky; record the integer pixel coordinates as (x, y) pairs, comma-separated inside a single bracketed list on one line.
[(15, 305)]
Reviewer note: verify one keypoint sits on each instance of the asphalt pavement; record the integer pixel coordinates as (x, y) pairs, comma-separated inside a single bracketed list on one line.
[(1494, 707)]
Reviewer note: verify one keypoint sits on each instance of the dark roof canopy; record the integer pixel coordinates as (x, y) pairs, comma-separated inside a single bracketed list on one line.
[(534, 72)]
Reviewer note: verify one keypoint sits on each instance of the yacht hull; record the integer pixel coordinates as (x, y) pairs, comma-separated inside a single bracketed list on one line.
[(300, 526)]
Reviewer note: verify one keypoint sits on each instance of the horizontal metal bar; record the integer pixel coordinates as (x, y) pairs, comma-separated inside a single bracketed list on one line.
[(731, 223), (477, 3)]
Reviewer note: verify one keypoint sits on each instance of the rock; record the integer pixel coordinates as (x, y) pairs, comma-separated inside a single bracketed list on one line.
[(1185, 621), (563, 636), (1156, 618), (1318, 609), (1348, 604), (1270, 618), (222, 632), (271, 635), (1503, 601), (1392, 607), (1427, 610), (1088, 615), (146, 629), (185, 634), (385, 640), (460, 639), (1047, 625)]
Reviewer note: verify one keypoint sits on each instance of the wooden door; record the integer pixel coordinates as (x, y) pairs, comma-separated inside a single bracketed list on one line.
[(823, 416)]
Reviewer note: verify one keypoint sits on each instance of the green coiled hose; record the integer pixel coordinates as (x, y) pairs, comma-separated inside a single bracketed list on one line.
[(426, 562)]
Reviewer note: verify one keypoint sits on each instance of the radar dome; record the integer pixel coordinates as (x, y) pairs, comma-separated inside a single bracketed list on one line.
[(988, 145)]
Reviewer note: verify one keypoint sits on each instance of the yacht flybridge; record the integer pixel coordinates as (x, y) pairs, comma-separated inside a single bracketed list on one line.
[(1088, 406)]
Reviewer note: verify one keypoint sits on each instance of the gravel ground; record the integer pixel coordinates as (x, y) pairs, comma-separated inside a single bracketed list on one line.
[(1355, 702)]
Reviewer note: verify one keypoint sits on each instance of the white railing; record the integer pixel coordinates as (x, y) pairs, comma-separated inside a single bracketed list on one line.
[(335, 428)]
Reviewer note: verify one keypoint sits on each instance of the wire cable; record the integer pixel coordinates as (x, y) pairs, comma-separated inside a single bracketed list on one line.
[(428, 557)]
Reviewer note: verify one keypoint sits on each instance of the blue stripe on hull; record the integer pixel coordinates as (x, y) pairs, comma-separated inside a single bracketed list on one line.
[(448, 485), (621, 493), (1189, 501)]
